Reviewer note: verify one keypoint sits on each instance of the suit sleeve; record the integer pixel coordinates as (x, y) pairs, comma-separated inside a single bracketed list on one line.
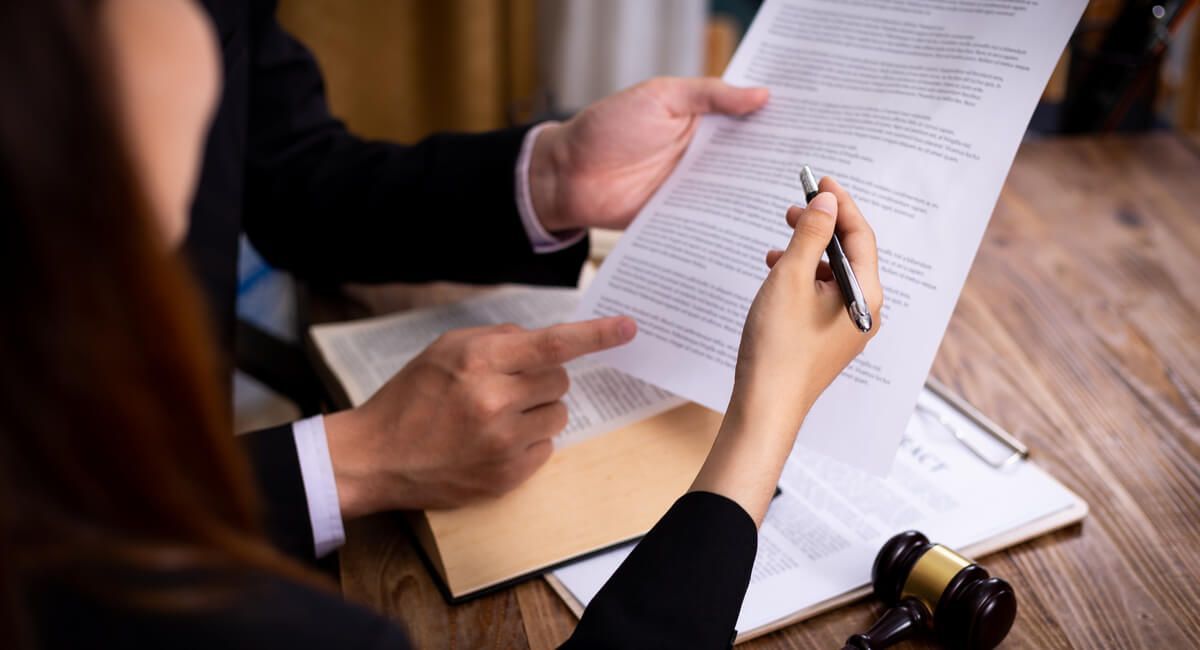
[(683, 584), (332, 207), (276, 466)]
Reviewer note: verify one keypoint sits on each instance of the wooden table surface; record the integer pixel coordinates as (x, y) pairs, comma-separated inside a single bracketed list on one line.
[(1078, 331)]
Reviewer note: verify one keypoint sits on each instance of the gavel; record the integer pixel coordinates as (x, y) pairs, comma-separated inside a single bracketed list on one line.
[(928, 587)]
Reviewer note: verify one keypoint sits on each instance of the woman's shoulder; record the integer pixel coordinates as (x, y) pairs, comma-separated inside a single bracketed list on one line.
[(262, 612)]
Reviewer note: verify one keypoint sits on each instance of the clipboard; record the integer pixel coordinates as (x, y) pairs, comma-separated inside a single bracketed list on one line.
[(1018, 452)]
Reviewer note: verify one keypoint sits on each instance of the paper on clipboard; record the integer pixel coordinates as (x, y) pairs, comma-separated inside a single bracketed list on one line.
[(820, 537)]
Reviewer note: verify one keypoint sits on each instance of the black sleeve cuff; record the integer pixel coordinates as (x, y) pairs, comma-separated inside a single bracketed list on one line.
[(682, 586), (276, 466)]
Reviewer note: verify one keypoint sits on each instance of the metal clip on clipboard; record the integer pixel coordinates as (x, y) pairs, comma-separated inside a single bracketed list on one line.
[(1018, 448)]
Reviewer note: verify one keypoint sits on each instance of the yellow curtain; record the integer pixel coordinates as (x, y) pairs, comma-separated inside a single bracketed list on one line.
[(400, 69)]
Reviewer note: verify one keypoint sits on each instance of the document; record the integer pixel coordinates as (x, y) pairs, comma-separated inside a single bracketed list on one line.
[(917, 107), (366, 353), (821, 534)]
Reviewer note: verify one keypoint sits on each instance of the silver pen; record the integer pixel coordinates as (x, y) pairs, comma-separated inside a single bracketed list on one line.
[(856, 304)]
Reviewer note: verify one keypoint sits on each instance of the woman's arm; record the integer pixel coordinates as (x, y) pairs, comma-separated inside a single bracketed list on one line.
[(683, 585)]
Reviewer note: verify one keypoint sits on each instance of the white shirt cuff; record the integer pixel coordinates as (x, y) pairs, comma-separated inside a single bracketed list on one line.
[(542, 240), (316, 470)]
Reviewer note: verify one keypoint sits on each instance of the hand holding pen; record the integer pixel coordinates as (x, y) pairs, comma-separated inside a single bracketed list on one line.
[(856, 303), (795, 343)]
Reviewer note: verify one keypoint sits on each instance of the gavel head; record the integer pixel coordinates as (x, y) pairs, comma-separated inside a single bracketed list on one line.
[(966, 607)]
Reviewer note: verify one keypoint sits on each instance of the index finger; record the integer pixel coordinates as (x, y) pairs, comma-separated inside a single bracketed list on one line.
[(558, 344)]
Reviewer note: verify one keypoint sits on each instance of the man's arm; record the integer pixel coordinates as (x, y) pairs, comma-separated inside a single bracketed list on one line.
[(404, 450), (295, 478), (332, 207)]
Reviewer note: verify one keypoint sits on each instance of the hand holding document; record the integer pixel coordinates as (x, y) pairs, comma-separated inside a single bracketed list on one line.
[(915, 107)]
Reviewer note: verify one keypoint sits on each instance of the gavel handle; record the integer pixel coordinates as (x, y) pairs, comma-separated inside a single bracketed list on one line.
[(906, 619)]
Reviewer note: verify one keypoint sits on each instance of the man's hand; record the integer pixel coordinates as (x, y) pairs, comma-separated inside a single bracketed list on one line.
[(600, 167), (472, 416)]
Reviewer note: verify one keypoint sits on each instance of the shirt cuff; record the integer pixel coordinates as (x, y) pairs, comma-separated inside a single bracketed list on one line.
[(542, 240), (316, 470)]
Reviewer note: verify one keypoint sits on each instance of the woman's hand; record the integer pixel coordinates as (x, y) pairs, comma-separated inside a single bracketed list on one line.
[(796, 340), (798, 337)]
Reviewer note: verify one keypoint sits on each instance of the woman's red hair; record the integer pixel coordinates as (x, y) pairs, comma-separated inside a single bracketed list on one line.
[(116, 455)]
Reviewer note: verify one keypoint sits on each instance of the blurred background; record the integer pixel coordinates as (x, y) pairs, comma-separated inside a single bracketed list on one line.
[(404, 68), (401, 69)]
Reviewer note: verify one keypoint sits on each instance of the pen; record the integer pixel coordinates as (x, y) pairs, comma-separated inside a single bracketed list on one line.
[(856, 304)]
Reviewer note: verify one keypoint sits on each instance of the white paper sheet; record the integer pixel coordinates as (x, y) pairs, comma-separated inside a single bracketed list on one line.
[(917, 108), (821, 534), (366, 353)]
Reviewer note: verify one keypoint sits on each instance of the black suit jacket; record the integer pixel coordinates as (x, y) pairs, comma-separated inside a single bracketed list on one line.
[(331, 207)]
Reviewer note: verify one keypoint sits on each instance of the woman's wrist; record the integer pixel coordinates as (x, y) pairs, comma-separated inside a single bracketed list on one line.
[(754, 442), (758, 409), (749, 452)]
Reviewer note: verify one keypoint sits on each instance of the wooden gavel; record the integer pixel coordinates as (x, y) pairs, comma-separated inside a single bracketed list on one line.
[(930, 587)]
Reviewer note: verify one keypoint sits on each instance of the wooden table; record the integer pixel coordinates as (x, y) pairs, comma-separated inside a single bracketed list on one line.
[(1079, 331)]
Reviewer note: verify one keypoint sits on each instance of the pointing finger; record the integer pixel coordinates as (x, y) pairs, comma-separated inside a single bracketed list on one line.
[(558, 344)]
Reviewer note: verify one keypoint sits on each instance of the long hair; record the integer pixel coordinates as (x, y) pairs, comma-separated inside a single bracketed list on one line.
[(116, 455)]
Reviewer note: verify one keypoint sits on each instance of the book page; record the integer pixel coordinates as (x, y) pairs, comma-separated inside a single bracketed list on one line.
[(917, 107), (364, 354), (821, 534)]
